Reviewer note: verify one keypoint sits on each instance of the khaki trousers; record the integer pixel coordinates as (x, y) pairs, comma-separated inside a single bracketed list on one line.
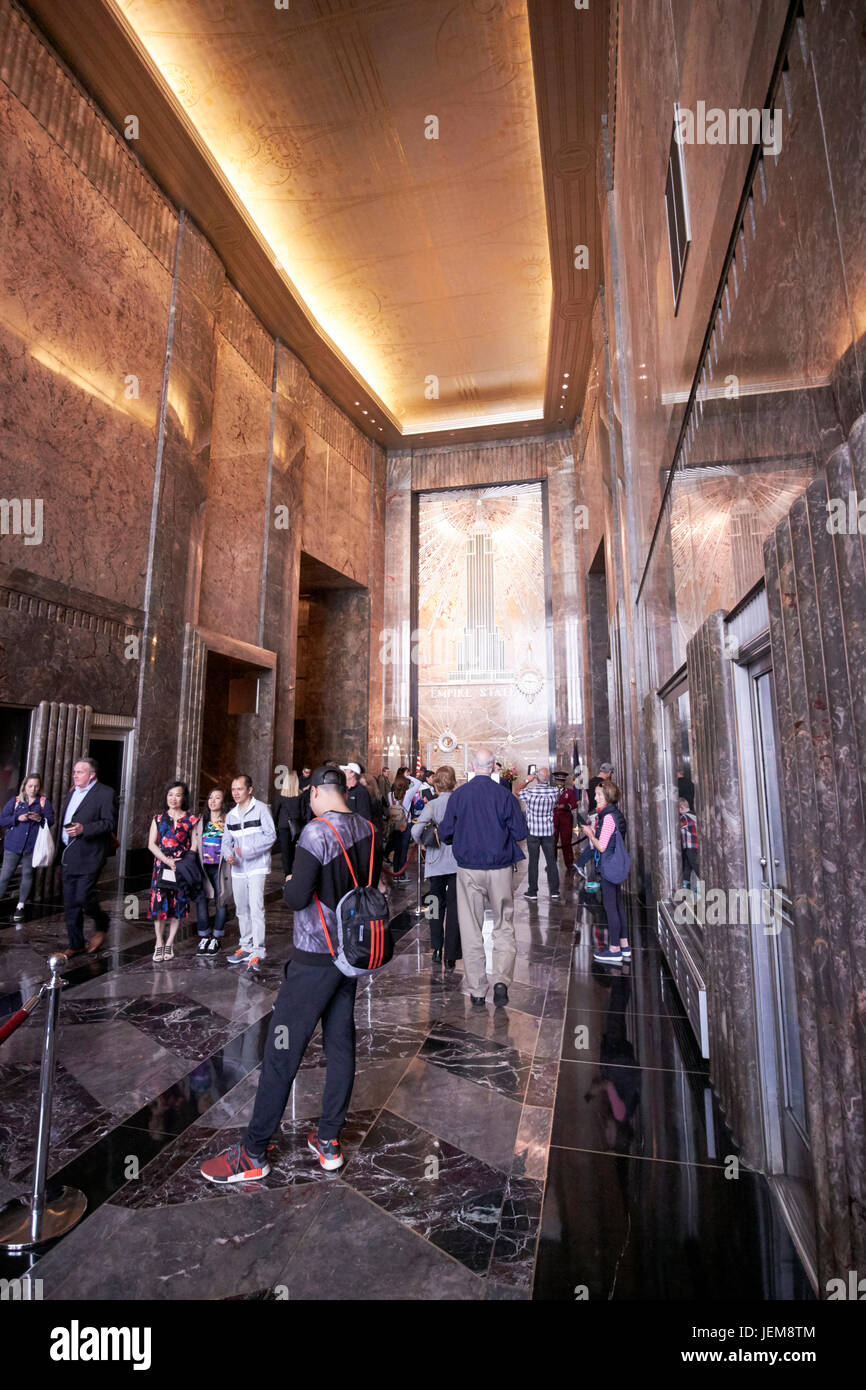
[(476, 890)]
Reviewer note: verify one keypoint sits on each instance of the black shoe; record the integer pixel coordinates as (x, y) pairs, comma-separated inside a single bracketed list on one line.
[(213, 946), (478, 999), (203, 943), (500, 994), (450, 964), (19, 913), (437, 956)]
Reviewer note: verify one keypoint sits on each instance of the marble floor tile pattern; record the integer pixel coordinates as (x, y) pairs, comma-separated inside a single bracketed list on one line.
[(478, 1143)]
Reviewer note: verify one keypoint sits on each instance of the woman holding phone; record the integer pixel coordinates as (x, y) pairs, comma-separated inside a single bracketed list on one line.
[(22, 818)]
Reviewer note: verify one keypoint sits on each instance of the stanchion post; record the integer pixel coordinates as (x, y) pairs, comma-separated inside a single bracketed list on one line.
[(37, 1219), (419, 911), (46, 1097)]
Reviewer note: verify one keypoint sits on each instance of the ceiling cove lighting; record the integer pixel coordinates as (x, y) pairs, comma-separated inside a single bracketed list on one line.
[(287, 146)]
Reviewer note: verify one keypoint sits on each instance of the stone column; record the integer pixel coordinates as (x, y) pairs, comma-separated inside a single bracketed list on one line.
[(166, 677), (283, 561), (395, 653)]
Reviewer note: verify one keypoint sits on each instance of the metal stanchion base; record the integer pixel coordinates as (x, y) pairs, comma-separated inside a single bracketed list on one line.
[(59, 1215)]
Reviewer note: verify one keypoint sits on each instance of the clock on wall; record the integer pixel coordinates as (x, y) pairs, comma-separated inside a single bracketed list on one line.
[(530, 682)]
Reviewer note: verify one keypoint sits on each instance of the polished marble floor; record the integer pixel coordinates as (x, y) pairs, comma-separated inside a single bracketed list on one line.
[(566, 1147)]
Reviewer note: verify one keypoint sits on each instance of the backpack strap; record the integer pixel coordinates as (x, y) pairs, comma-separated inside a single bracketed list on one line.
[(324, 928), (345, 855), (342, 847), (351, 871)]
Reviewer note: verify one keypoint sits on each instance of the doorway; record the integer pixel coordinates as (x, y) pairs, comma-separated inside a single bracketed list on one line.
[(598, 659), (332, 680), (232, 697), (786, 1142), (112, 752)]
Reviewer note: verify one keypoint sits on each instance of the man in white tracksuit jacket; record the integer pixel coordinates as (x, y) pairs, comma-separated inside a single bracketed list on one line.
[(247, 841)]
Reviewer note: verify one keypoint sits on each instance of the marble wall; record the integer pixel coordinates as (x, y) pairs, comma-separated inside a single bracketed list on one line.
[(182, 457), (719, 415), (816, 589), (782, 376), (333, 657)]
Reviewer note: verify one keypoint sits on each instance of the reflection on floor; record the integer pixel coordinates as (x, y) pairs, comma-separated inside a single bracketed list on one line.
[(567, 1146)]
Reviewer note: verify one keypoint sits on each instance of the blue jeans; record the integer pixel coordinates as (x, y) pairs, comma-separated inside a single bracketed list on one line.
[(10, 864), (219, 921)]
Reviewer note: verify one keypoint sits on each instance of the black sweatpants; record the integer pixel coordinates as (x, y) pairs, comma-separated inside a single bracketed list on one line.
[(309, 992)]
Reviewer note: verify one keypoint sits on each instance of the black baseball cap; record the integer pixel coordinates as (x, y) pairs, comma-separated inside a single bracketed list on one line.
[(329, 777)]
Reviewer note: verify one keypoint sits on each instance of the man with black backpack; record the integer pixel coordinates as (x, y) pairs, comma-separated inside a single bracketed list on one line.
[(334, 855)]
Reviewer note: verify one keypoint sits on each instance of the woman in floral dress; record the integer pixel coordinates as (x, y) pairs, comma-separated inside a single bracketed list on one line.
[(172, 832)]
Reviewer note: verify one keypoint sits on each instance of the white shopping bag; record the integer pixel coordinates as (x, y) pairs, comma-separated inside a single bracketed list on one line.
[(43, 850)]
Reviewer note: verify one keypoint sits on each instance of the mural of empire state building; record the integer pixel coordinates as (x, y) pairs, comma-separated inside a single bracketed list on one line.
[(481, 654)]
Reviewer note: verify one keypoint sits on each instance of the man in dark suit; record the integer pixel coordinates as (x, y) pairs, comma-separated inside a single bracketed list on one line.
[(89, 820)]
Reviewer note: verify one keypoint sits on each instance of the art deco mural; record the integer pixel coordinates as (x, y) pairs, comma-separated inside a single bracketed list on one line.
[(483, 673)]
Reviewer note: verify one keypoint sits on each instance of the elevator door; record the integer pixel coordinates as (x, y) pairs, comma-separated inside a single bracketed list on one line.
[(787, 1144)]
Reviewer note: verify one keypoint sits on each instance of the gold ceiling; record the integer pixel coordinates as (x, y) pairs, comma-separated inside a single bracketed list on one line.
[(388, 152)]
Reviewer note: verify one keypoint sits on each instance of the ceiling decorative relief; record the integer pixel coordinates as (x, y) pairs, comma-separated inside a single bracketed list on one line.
[(425, 260)]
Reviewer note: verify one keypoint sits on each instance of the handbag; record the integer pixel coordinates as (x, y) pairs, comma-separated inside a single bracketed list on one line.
[(43, 850), (430, 836), (615, 862)]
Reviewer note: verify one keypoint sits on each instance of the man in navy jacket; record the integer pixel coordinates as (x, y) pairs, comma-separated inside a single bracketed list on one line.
[(484, 825), (89, 820)]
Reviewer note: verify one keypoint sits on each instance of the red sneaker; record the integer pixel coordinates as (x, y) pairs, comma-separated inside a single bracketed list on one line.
[(328, 1151), (235, 1165)]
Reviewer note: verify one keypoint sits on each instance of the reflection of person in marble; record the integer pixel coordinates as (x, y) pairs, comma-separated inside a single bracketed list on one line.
[(689, 842), (619, 1080)]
